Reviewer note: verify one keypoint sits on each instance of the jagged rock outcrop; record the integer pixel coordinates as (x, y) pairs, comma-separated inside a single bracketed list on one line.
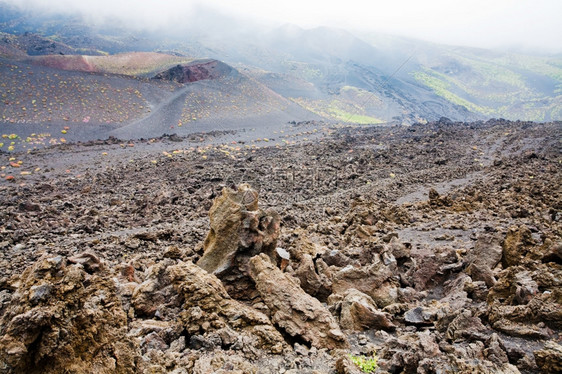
[(234, 220), (357, 312), (549, 359), (525, 303), (313, 278), (196, 71), (419, 352), (516, 245), (486, 255), (293, 310), (374, 280), (205, 308), (239, 230), (65, 316)]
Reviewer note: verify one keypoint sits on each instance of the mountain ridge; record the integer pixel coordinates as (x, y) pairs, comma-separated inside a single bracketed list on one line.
[(330, 73)]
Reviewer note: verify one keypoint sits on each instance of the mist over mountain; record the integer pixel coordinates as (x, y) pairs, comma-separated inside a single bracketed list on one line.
[(330, 72)]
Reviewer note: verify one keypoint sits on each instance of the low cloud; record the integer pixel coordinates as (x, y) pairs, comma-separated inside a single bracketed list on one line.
[(478, 23)]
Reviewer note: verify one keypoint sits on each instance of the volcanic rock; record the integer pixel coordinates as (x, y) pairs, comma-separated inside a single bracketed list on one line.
[(63, 319), (373, 280), (516, 245), (549, 359), (402, 354), (466, 326), (420, 353), (486, 255), (293, 310), (420, 316), (312, 281), (238, 226), (88, 260), (554, 254), (222, 363), (521, 300), (344, 365), (157, 293), (437, 200), (398, 249), (358, 312), (203, 306), (239, 230), (495, 350)]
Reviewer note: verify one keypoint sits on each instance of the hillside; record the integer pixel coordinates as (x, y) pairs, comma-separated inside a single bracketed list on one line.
[(357, 77), (499, 85), (54, 99)]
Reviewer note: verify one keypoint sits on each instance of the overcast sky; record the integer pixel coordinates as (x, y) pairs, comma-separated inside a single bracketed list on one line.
[(534, 24)]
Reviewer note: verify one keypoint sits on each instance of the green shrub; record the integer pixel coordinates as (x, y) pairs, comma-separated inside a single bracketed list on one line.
[(366, 364)]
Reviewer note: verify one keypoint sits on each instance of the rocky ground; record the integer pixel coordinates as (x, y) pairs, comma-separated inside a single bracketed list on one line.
[(436, 247)]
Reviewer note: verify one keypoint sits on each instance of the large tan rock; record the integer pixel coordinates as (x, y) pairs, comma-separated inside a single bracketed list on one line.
[(293, 310), (66, 317), (358, 312), (238, 226), (312, 281), (486, 255), (516, 245), (205, 306), (374, 280), (522, 301)]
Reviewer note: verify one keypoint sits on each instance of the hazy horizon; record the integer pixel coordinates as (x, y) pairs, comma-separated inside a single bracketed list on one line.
[(521, 25)]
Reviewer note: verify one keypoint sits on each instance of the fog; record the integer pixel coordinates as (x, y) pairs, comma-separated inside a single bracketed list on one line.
[(531, 25)]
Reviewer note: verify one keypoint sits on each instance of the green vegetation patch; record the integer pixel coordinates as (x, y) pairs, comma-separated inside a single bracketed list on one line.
[(499, 85), (351, 117), (303, 70), (338, 110), (441, 88), (366, 364)]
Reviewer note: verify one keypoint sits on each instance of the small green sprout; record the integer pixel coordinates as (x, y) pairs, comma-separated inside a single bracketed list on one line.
[(366, 364)]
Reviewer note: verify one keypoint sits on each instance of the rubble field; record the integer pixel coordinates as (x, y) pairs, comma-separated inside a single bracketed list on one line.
[(436, 248)]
